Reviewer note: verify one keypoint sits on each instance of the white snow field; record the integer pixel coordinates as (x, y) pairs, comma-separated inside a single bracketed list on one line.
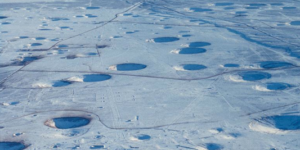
[(149, 74)]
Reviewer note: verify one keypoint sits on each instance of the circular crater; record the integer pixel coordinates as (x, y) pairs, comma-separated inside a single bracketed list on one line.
[(274, 64), (12, 146), (128, 67), (165, 39), (295, 23), (198, 44), (95, 77), (254, 75), (190, 50), (67, 122), (277, 86)]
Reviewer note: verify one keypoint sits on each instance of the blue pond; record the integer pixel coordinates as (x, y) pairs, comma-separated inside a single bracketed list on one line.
[(276, 4), (213, 146), (95, 77), (23, 37), (223, 4), (186, 35), (199, 44), (295, 23), (195, 9), (58, 19), (143, 137), (285, 122), (12, 146), (278, 86), (25, 60), (92, 8), (40, 38), (90, 16), (97, 147), (130, 67), (3, 17), (231, 65), (189, 50), (36, 44), (288, 8), (274, 64), (193, 67), (70, 122), (5, 23), (257, 5), (165, 39), (252, 7), (254, 75), (61, 83)]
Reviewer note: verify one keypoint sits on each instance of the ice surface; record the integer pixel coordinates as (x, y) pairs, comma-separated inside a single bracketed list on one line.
[(149, 74)]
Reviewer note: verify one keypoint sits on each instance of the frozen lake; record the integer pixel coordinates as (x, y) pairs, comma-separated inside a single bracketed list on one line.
[(149, 74)]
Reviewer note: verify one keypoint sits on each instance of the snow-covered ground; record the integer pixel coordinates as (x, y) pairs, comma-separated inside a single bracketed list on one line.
[(149, 74)]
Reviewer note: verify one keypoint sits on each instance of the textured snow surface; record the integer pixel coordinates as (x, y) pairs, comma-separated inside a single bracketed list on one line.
[(149, 74)]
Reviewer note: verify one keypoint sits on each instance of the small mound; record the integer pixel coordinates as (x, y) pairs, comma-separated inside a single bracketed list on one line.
[(128, 67), (61, 83), (3, 17), (196, 9), (198, 44), (192, 67), (67, 122), (95, 77), (274, 64), (189, 50), (231, 65), (295, 23), (165, 39), (12, 146), (276, 124), (278, 86), (254, 75)]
